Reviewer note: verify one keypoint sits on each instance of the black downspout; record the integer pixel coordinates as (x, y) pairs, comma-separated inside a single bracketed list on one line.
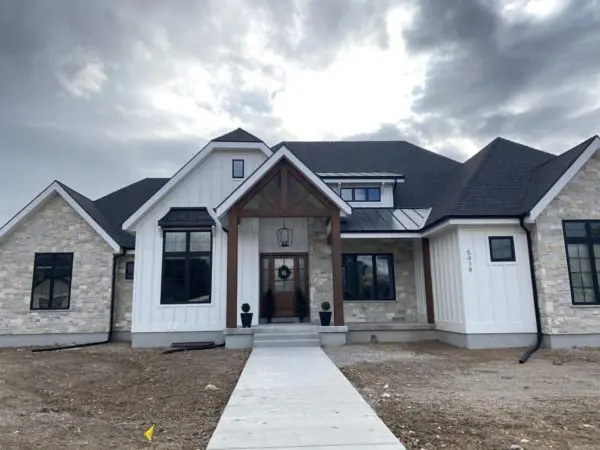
[(536, 304), (110, 319)]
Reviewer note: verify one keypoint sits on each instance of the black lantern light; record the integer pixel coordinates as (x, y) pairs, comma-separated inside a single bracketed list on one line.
[(284, 236)]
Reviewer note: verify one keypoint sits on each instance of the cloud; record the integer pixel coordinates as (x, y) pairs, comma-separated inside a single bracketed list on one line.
[(99, 94)]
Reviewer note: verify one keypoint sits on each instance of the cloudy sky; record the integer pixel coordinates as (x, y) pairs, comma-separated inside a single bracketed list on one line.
[(100, 94)]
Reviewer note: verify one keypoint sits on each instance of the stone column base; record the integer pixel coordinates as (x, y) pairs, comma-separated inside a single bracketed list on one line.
[(236, 338), (335, 335)]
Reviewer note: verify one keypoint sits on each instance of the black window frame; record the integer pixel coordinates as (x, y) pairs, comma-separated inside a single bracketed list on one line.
[(129, 270), (353, 189), (233, 167), (511, 258), (589, 240), (51, 294), (188, 255), (374, 297)]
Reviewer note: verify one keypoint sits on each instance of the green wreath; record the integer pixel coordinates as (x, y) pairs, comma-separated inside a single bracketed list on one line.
[(284, 272)]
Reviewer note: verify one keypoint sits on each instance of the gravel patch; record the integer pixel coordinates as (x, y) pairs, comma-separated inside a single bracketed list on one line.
[(106, 397), (436, 396)]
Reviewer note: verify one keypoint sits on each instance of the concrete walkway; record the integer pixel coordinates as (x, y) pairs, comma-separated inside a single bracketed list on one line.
[(296, 398)]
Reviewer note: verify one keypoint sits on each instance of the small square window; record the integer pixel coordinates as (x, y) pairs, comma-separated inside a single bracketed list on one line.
[(502, 248), (129, 270), (237, 168)]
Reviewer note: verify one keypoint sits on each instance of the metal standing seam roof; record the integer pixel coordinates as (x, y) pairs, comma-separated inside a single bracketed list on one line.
[(378, 220), (186, 217)]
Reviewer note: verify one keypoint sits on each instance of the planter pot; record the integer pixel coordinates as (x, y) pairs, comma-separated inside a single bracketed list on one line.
[(325, 318), (246, 319)]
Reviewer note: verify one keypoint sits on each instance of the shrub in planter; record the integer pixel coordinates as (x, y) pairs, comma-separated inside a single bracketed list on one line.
[(246, 316), (325, 315)]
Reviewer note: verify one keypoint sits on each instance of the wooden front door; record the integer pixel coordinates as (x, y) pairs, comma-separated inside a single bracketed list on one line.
[(284, 275)]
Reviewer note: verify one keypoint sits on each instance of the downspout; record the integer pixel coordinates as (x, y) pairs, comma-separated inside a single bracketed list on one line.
[(536, 305), (110, 318)]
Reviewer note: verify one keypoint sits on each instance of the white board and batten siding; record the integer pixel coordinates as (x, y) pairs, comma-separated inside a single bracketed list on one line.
[(498, 295), (209, 184), (474, 295)]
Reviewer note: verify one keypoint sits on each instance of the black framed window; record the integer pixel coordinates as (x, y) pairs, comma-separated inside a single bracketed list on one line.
[(52, 273), (187, 267), (502, 248), (129, 270), (582, 241), (366, 194), (368, 277), (237, 168)]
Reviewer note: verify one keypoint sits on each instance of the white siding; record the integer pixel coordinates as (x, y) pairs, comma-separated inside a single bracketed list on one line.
[(419, 280), (447, 282), (498, 295), (248, 267), (206, 186), (268, 235)]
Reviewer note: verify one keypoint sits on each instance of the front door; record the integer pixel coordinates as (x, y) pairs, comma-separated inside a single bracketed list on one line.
[(285, 276)]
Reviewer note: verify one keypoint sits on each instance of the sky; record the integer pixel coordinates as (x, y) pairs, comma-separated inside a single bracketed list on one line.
[(101, 94)]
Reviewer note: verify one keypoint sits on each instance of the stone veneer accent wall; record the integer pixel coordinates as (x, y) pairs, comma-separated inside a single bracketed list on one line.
[(580, 199), (404, 308), (319, 266), (55, 227), (123, 297)]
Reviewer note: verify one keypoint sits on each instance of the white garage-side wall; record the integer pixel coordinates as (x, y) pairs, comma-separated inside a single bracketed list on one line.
[(446, 281), (209, 184), (498, 296)]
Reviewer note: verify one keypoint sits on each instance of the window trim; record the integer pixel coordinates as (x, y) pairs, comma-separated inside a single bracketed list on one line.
[(128, 264), (366, 188), (393, 276), (233, 161), (51, 298), (512, 258), (188, 255), (589, 241)]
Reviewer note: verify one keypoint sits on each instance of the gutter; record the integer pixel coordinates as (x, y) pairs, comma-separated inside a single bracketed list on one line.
[(536, 305), (110, 318)]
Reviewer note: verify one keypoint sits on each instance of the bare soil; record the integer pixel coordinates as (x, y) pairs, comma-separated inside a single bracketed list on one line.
[(436, 396), (106, 397)]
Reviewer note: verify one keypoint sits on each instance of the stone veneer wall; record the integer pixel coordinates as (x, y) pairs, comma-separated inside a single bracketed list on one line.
[(55, 227), (580, 199), (319, 266), (123, 297), (404, 308)]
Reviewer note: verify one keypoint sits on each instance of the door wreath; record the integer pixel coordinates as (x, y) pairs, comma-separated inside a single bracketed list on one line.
[(284, 272)]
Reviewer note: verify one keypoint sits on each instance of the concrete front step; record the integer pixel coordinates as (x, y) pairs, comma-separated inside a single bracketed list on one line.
[(286, 343), (284, 336), (285, 329)]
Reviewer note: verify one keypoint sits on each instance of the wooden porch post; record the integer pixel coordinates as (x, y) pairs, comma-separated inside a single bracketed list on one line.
[(336, 267), (428, 283), (232, 270)]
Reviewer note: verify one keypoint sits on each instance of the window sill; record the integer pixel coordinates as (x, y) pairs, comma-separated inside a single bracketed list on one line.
[(592, 306), (187, 305), (54, 311)]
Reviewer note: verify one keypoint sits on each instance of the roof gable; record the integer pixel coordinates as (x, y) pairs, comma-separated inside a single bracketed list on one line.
[(237, 135)]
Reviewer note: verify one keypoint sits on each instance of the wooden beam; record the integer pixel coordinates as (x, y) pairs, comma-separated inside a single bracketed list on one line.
[(336, 268), (284, 188), (232, 270), (284, 213), (428, 283)]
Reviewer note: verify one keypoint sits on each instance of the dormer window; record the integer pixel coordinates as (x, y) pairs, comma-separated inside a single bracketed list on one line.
[(237, 168), (362, 194)]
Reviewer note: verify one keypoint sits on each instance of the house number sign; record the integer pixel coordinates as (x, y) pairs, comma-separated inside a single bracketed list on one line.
[(469, 260)]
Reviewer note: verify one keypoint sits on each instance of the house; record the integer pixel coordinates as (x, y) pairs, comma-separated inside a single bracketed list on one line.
[(404, 243)]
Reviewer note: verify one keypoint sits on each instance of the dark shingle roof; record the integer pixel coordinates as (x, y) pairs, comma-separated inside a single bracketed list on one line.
[(549, 172), (119, 205), (238, 135), (493, 183), (425, 172)]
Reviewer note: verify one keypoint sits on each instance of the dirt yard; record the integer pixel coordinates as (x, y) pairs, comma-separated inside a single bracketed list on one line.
[(106, 397), (436, 396)]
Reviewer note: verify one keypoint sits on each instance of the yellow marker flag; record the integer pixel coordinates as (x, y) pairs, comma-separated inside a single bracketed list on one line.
[(149, 432)]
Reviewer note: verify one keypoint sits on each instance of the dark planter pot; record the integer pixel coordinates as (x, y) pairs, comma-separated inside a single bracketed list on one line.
[(246, 319), (325, 318)]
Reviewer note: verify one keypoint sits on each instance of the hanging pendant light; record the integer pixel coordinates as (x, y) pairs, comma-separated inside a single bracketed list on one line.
[(284, 236)]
